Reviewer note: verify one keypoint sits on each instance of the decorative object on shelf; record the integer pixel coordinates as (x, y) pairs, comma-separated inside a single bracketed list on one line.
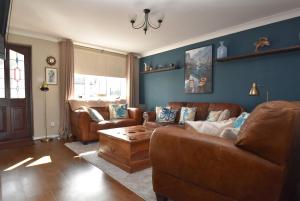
[(198, 70), (51, 76), (159, 70), (262, 42), (51, 61), (44, 88), (146, 67), (171, 65), (254, 91), (222, 51), (146, 24), (263, 53)]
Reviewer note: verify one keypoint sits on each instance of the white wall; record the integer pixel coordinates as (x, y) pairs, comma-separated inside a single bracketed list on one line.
[(41, 49)]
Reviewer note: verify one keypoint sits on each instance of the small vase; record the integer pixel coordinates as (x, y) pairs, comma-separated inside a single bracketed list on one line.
[(222, 51)]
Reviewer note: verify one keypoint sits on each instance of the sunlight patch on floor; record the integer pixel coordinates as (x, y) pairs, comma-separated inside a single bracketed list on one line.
[(18, 164), (85, 154), (43, 160)]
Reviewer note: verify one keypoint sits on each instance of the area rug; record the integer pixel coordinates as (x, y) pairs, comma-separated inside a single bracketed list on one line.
[(139, 182)]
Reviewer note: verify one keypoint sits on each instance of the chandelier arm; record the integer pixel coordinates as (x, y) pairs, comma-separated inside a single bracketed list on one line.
[(153, 26), (138, 27)]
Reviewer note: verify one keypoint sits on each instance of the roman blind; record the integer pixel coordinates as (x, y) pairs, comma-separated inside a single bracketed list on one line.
[(90, 61)]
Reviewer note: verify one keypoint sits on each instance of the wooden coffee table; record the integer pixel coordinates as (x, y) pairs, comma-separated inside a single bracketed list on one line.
[(126, 147)]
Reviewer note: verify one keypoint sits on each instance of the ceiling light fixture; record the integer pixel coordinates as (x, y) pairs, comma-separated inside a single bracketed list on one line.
[(147, 22)]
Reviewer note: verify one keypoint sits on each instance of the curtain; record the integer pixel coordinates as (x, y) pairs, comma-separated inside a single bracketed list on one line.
[(66, 78), (132, 80)]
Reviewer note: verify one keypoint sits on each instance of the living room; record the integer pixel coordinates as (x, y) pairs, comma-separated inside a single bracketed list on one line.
[(150, 100)]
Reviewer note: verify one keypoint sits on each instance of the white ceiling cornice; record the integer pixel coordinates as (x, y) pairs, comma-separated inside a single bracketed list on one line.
[(31, 34), (57, 39), (234, 29)]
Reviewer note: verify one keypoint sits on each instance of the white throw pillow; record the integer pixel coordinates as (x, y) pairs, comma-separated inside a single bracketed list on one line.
[(214, 115), (225, 114), (187, 114), (230, 133), (209, 127)]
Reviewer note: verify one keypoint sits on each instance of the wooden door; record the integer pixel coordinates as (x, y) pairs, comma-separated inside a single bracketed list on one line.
[(15, 95)]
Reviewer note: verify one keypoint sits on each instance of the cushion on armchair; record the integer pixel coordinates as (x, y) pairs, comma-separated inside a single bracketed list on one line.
[(94, 114)]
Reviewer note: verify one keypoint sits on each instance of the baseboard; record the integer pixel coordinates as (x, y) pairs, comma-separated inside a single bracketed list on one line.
[(42, 137)]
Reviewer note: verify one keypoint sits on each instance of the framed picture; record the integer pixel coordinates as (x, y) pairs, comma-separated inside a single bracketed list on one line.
[(51, 75), (198, 70)]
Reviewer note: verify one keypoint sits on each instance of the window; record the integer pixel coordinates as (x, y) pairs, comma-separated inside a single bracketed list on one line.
[(2, 81), (17, 75), (95, 87)]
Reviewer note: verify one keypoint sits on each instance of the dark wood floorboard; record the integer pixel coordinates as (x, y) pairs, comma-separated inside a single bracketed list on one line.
[(64, 179)]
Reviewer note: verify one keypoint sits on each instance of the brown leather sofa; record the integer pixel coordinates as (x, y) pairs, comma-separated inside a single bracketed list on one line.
[(85, 129), (262, 165), (202, 112)]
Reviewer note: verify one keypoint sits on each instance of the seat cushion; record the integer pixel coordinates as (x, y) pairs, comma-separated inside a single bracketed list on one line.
[(154, 124), (95, 126), (123, 122)]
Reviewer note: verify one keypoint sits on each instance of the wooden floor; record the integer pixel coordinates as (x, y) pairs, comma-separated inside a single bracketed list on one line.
[(65, 178)]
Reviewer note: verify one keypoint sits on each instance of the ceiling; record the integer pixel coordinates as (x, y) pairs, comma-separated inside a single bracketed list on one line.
[(105, 23)]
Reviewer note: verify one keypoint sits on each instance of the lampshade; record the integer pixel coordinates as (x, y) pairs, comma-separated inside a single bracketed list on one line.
[(254, 90), (44, 87)]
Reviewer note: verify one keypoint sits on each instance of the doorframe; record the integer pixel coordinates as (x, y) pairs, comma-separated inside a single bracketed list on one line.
[(25, 141)]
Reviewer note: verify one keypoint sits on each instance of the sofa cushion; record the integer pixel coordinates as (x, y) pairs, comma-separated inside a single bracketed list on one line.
[(187, 114), (269, 130), (201, 111), (118, 111), (238, 123), (123, 122), (104, 111), (214, 115), (167, 115), (95, 126), (235, 109), (154, 124)]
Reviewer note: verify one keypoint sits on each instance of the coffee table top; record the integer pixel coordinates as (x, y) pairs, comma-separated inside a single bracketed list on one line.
[(129, 134)]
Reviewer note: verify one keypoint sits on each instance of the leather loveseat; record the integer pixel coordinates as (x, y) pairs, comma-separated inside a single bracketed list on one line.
[(85, 129), (202, 111), (261, 165)]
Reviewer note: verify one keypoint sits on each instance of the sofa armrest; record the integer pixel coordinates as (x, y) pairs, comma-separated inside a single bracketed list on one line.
[(213, 163), (136, 114), (80, 124)]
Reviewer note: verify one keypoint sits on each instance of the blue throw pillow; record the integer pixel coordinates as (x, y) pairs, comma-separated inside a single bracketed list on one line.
[(167, 115), (240, 120)]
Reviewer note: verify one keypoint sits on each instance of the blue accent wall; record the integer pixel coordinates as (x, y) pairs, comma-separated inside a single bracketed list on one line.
[(231, 80)]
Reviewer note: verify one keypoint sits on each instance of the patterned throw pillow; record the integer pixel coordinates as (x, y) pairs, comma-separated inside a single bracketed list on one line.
[(214, 115), (167, 115), (225, 115), (240, 120), (118, 111), (158, 111), (187, 114)]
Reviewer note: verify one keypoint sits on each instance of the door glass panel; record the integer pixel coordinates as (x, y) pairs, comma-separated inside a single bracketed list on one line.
[(2, 81), (17, 74)]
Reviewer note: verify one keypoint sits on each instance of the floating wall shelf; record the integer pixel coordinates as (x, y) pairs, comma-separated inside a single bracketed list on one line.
[(263, 53), (160, 70)]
